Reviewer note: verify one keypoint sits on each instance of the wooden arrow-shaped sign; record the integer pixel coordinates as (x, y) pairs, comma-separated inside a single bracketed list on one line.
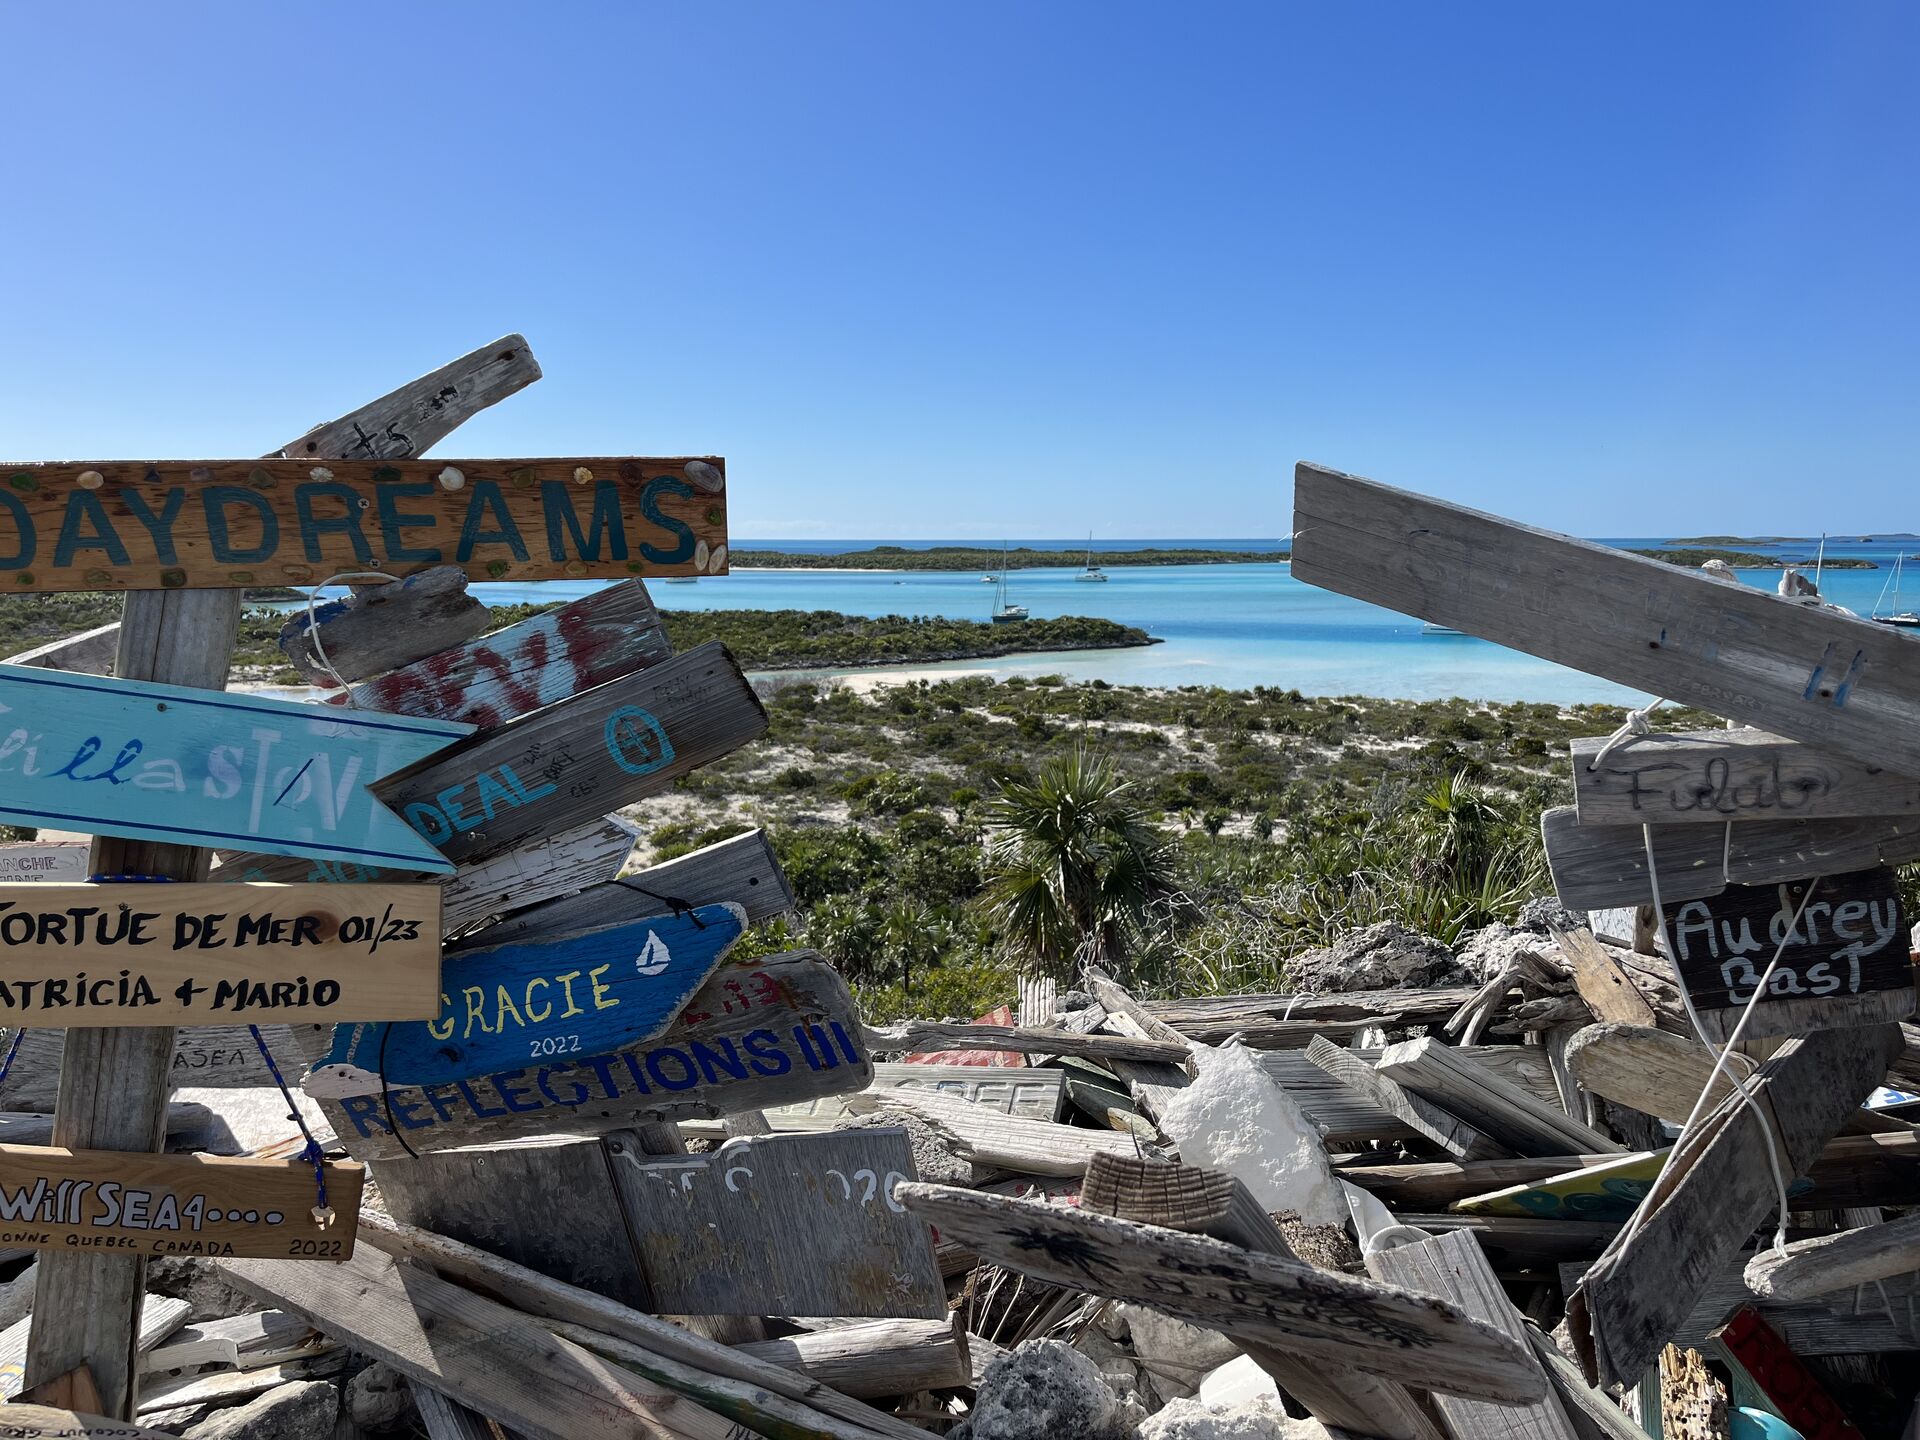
[(527, 1000), (196, 767)]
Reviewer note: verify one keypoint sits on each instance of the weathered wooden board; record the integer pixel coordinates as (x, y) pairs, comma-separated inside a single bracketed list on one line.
[(60, 862), (1716, 776), (1518, 1120), (587, 994), (875, 1359), (1845, 1260), (184, 766), (46, 1422), (1818, 675), (540, 661), (382, 627), (763, 1033), (1276, 1022), (582, 757), (1609, 1191), (544, 869), (1032, 1094), (58, 1199), (989, 1138), (160, 1316), (88, 653), (792, 1224), (1601, 980), (187, 954), (1845, 962), (221, 524), (741, 870), (1599, 865), (1430, 1122), (1379, 1329)]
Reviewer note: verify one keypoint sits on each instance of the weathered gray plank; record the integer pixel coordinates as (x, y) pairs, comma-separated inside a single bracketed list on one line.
[(1340, 1112), (1523, 1124), (1652, 1071), (1711, 777), (1431, 1123), (572, 761), (1818, 675), (783, 1224), (1275, 1022), (88, 653), (875, 1358), (1029, 1093), (159, 1318), (987, 1137), (1843, 1261), (933, 1036), (382, 627)]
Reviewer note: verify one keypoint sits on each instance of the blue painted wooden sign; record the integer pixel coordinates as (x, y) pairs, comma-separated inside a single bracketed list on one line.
[(514, 1004), (199, 767)]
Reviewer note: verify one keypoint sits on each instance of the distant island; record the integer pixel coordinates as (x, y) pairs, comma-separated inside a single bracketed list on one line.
[(985, 559), (798, 639), (1783, 539), (1747, 559)]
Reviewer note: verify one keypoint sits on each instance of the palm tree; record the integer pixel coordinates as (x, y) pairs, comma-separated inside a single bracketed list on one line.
[(1073, 864)]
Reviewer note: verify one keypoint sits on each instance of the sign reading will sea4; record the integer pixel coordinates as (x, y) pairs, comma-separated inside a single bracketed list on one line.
[(220, 524), (198, 767)]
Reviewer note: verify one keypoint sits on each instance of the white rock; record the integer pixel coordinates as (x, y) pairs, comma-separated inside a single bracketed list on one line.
[(1233, 1117), (1251, 1420), (301, 1410), (1173, 1350)]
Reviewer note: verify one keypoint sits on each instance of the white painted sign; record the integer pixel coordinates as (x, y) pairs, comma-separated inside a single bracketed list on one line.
[(62, 862)]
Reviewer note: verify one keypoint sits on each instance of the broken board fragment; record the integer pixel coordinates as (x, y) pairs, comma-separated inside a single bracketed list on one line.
[(43, 862), (1612, 1190), (1032, 1094), (380, 627)]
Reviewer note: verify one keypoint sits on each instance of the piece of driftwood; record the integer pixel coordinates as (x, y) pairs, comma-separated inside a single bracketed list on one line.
[(1378, 1329), (1449, 1132), (551, 1299), (1283, 1022), (502, 1363), (1715, 776), (1827, 1263), (245, 1342), (875, 1358), (935, 1036), (1595, 866), (1608, 1192), (1760, 1356), (1517, 1120), (160, 1316), (989, 1138), (88, 653), (781, 1224), (1601, 980), (763, 1033), (1715, 1189), (741, 870), (1691, 1405), (1207, 1202), (1028, 1093), (1124, 1015), (1342, 1114), (1591, 1412), (383, 627), (517, 670), (446, 1419), (1653, 1071), (114, 1083), (1452, 1267), (1819, 675), (582, 757), (174, 1400)]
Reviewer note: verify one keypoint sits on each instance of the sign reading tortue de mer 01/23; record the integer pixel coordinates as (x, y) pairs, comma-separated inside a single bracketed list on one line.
[(104, 1200), (221, 524), (1844, 961), (531, 1000), (145, 954), (197, 767)]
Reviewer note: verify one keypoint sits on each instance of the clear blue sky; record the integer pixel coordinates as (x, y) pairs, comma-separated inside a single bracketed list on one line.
[(980, 269)]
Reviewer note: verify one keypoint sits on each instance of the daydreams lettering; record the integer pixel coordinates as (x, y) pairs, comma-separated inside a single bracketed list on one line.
[(596, 1079)]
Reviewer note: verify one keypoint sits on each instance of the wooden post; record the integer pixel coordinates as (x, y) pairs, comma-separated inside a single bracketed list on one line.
[(114, 1082)]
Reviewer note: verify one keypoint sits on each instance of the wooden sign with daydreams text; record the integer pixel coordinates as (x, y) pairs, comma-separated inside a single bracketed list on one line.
[(766, 1032), (585, 994), (197, 767), (223, 524), (147, 954), (1846, 960), (109, 1201)]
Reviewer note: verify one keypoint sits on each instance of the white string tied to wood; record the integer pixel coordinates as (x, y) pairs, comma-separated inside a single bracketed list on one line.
[(1637, 723), (313, 629)]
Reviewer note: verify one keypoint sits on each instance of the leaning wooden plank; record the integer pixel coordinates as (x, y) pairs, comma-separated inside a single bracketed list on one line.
[(1715, 1189), (741, 870), (988, 1138), (1029, 1093), (185, 1395), (1837, 1262), (1433, 1124), (539, 1295), (1592, 1413), (503, 1364), (874, 1359), (382, 627), (515, 671), (160, 1316), (246, 1342), (446, 1419), (1593, 1192), (1452, 1267), (1601, 980), (1652, 1071), (934, 1035), (1379, 1329), (572, 761), (762, 1033), (1711, 777), (1279, 1022), (88, 653), (1208, 1202), (1822, 676), (1520, 1122)]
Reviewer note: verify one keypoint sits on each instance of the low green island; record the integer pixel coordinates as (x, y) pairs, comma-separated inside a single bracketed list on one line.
[(987, 560), (1696, 556)]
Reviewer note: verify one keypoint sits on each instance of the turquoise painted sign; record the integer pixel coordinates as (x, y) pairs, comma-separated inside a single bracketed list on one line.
[(199, 767), (531, 1000)]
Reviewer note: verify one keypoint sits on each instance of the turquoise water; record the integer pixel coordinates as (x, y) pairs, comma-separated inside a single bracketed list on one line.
[(1230, 625)]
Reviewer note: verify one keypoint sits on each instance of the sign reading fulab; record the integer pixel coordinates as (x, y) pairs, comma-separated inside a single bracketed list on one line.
[(197, 767), (109, 1201), (146, 954), (1845, 959), (221, 524)]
